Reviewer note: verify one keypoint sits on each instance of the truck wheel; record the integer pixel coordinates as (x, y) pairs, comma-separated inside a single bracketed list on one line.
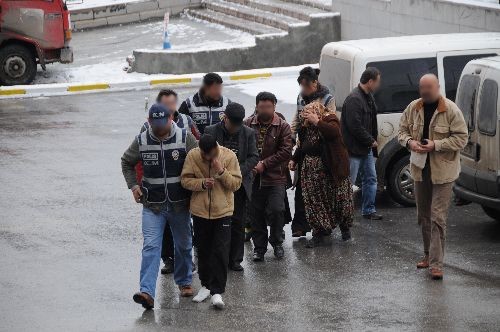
[(17, 65), (492, 213), (400, 182)]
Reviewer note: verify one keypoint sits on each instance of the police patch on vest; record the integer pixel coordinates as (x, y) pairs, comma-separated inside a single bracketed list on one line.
[(221, 116), (175, 154), (199, 116), (150, 156)]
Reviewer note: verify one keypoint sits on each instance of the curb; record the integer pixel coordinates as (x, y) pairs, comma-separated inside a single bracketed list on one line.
[(40, 90)]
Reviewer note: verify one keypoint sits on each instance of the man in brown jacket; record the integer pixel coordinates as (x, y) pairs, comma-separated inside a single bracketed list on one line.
[(212, 173), (434, 130), (274, 143)]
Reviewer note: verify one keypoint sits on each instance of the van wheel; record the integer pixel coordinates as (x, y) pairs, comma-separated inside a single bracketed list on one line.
[(400, 182), (492, 213), (17, 65)]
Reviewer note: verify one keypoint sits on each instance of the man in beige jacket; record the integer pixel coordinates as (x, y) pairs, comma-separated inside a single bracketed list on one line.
[(434, 130), (212, 173)]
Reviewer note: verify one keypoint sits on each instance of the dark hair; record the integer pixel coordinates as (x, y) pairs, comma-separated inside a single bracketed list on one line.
[(165, 93), (212, 78), (207, 143), (370, 73), (265, 96), (308, 74)]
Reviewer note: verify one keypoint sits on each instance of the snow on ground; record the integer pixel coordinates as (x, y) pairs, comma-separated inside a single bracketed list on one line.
[(82, 4)]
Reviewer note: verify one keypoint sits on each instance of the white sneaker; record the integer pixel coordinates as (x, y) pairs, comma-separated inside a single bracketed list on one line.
[(217, 301), (202, 295)]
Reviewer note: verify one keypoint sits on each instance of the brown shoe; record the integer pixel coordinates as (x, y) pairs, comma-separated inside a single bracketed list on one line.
[(145, 299), (424, 263), (436, 274), (186, 291)]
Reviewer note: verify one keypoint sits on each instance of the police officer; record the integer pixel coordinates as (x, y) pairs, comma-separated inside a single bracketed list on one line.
[(207, 106), (161, 149)]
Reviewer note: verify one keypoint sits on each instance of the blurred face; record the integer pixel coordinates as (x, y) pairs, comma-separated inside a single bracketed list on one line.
[(169, 102), (308, 88), (429, 88), (162, 131), (213, 91), (209, 156), (231, 127), (265, 110), (374, 85)]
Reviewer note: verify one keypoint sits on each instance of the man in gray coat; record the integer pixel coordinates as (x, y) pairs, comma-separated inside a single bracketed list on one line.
[(232, 134)]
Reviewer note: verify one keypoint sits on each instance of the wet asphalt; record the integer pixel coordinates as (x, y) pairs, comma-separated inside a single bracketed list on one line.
[(70, 244)]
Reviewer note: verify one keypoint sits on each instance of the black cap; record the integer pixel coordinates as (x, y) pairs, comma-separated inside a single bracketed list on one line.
[(235, 113)]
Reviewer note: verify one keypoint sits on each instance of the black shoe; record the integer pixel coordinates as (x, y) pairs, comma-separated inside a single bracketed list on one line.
[(168, 267), (372, 216), (236, 267), (316, 241), (279, 253), (258, 257), (346, 235)]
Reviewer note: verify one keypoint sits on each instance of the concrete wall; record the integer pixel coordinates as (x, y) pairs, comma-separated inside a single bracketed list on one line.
[(128, 12), (301, 45), (381, 18)]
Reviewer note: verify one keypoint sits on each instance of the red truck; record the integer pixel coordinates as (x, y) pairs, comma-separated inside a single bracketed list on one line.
[(32, 32)]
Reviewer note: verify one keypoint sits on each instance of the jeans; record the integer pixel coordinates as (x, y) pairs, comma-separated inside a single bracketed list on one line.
[(368, 179), (153, 225), (237, 227), (213, 241)]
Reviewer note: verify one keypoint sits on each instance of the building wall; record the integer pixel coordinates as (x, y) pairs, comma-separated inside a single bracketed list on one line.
[(382, 18)]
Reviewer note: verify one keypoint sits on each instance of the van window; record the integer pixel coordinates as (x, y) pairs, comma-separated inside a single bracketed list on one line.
[(336, 75), (466, 99), (487, 122), (453, 67), (400, 82)]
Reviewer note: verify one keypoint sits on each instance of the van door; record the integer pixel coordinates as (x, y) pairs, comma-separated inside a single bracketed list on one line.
[(468, 92), (488, 135), (451, 64)]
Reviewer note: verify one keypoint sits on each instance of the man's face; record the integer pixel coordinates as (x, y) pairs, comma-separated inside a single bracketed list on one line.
[(265, 110), (161, 131), (209, 156), (213, 91), (308, 88), (429, 89), (374, 85), (230, 126), (170, 102)]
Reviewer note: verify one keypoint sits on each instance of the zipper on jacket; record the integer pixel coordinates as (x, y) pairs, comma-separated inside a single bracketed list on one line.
[(164, 171)]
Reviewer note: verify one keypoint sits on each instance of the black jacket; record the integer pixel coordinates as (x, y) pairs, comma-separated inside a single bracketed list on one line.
[(359, 122), (248, 155)]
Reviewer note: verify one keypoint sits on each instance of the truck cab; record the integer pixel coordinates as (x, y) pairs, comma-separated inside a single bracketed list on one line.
[(32, 32)]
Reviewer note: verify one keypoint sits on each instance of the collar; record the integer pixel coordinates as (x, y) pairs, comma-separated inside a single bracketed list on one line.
[(275, 122), (173, 129), (441, 105)]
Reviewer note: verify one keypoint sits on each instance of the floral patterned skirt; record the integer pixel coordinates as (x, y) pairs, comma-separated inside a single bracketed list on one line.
[(327, 205)]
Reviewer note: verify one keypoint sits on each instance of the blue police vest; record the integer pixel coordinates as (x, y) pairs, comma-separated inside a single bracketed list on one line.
[(162, 163), (204, 115)]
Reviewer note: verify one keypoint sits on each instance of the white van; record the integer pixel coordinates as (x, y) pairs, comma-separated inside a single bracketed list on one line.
[(402, 61), (478, 98)]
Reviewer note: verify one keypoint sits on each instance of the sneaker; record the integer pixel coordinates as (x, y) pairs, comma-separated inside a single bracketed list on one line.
[(202, 295), (186, 291), (168, 267), (424, 263), (217, 301), (236, 267), (372, 216), (258, 257), (279, 252), (144, 299)]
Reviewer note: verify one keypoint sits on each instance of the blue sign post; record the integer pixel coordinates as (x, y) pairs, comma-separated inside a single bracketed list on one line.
[(166, 39)]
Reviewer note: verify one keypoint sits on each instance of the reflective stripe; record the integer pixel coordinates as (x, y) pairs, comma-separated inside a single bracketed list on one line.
[(175, 179), (171, 146)]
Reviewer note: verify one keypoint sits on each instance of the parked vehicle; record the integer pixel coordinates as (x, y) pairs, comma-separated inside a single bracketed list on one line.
[(478, 98), (32, 32), (402, 61)]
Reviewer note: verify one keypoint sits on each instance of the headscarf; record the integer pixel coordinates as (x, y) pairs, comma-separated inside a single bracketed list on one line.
[(317, 108)]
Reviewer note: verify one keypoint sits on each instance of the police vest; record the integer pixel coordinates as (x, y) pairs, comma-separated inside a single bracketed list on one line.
[(204, 115), (162, 163), (182, 121), (301, 103)]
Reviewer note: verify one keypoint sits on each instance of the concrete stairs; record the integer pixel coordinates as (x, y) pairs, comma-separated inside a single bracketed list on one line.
[(260, 17)]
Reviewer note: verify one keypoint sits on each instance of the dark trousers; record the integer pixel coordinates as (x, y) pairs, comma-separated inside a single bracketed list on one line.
[(299, 222), (213, 240), (268, 207), (167, 246), (238, 227)]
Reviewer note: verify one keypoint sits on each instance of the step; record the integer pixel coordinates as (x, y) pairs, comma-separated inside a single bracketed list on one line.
[(298, 11), (233, 22), (253, 14), (325, 5)]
